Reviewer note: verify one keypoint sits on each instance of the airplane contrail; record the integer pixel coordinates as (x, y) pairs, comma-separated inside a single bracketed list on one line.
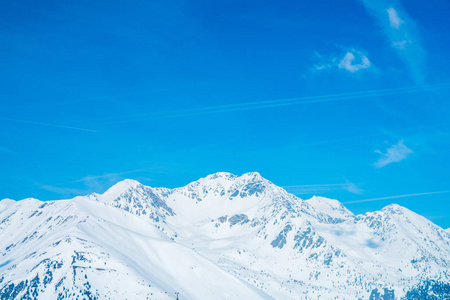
[(271, 103), (6, 150), (314, 185), (100, 176), (47, 124), (395, 197)]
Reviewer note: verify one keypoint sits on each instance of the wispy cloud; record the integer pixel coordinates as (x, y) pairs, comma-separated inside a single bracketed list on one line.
[(7, 150), (92, 178), (395, 153), (352, 61), (323, 188), (47, 124), (352, 188), (353, 64), (64, 190), (394, 19), (395, 197), (89, 184), (402, 33), (323, 62), (270, 104)]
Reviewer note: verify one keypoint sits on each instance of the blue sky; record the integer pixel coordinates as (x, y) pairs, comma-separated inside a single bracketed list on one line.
[(343, 99)]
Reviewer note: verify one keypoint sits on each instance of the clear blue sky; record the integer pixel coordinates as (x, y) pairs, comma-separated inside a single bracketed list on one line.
[(166, 92)]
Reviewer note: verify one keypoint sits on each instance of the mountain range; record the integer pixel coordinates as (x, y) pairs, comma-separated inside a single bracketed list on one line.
[(221, 237)]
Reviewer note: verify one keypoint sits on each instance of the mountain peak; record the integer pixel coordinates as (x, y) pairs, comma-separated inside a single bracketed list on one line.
[(254, 175), (224, 175), (120, 188), (131, 182), (395, 209), (330, 207), (213, 226), (7, 201), (225, 180), (318, 199), (251, 176)]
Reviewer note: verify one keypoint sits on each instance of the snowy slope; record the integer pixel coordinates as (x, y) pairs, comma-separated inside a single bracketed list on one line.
[(330, 207), (221, 237), (86, 248)]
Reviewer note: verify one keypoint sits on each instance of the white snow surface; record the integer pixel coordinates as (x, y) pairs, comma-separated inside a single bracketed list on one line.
[(221, 237)]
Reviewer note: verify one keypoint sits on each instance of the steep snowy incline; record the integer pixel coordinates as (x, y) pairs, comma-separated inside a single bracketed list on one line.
[(333, 209), (88, 249), (242, 232), (400, 235), (259, 232), (138, 199)]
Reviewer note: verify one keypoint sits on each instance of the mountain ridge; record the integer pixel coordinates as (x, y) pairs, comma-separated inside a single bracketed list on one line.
[(262, 240)]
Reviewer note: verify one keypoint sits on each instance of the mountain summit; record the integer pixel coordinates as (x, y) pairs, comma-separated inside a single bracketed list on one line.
[(220, 237)]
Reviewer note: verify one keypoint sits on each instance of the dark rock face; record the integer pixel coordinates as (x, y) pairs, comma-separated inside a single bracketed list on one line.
[(238, 219), (429, 290), (377, 295), (280, 241)]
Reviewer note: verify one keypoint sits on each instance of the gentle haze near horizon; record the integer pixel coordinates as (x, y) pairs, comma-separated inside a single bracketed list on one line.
[(342, 99)]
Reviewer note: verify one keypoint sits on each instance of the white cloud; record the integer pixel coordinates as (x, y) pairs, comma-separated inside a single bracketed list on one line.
[(322, 67), (400, 44), (348, 62), (394, 18), (352, 61), (395, 153), (402, 34), (352, 188), (322, 62)]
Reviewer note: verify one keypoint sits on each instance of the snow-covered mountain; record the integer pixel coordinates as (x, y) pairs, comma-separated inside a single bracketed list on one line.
[(221, 237)]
